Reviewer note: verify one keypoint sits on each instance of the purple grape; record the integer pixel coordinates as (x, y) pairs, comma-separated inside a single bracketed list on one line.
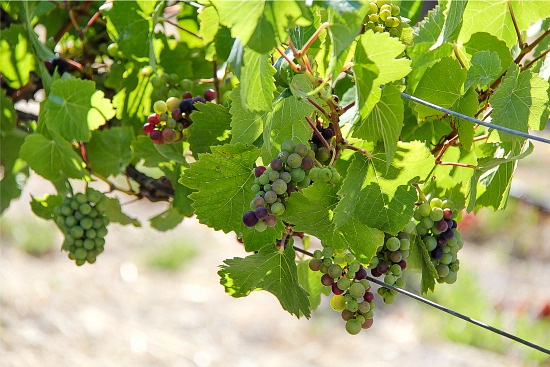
[(448, 234), (361, 273), (258, 171), (328, 133), (186, 106), (198, 99), (336, 290), (437, 253), (187, 122), (369, 296), (258, 201), (347, 315), (441, 242), (210, 94), (261, 212), (455, 224), (403, 264), (187, 95), (307, 163), (375, 273), (327, 280), (276, 164), (176, 114), (156, 135), (382, 268), (441, 225), (271, 221), (447, 213), (250, 219)]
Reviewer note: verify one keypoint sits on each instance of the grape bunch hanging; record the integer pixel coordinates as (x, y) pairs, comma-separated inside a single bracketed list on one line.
[(383, 16), (84, 225)]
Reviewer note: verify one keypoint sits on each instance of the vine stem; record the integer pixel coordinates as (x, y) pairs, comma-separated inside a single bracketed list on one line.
[(217, 82), (318, 133), (291, 63), (516, 27), (362, 151), (420, 192), (445, 309), (530, 63), (346, 108), (180, 27)]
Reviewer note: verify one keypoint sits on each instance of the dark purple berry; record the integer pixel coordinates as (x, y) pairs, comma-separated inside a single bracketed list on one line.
[(187, 122), (382, 268), (250, 219), (176, 114), (307, 163), (186, 106), (328, 133), (437, 253), (271, 221), (361, 273), (441, 225), (403, 264), (155, 135), (455, 224), (261, 212), (276, 165), (210, 94), (258, 171), (441, 242), (448, 234), (198, 99), (336, 290), (327, 280), (369, 296), (375, 273)]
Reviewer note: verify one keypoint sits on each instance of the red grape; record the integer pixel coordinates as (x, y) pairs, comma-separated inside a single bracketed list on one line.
[(250, 219), (148, 127), (210, 94), (153, 119)]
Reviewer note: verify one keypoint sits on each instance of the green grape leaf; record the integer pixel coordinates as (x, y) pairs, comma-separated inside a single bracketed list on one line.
[(10, 189), (270, 270), (494, 17), (222, 180), (321, 200), (175, 58), (144, 148), (485, 69), (43, 207), (344, 29), (16, 59), (467, 105), (485, 42), (113, 211), (209, 23), (441, 84), (285, 122), (240, 16), (383, 198), (384, 122), (128, 22), (246, 126), (74, 108), (211, 126), (224, 44), (419, 259), (167, 220), (181, 200), (173, 152), (109, 150), (53, 158), (453, 22), (311, 282), (257, 86), (520, 102), (8, 116), (366, 73), (11, 182), (263, 39)]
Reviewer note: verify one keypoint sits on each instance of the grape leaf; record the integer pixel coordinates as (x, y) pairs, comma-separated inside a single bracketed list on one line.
[(128, 23), (222, 180), (453, 22), (11, 182), (113, 211), (344, 29), (8, 116), (419, 258), (311, 282), (520, 102), (211, 125), (209, 23), (263, 40), (485, 69), (246, 126), (175, 58), (494, 17), (144, 148), (384, 122), (366, 73), (109, 150), (173, 152), (181, 200), (257, 86), (43, 207), (486, 42), (320, 200), (16, 62), (467, 105), (240, 16), (270, 270), (441, 84), (286, 121), (167, 220), (74, 108), (52, 159), (383, 198)]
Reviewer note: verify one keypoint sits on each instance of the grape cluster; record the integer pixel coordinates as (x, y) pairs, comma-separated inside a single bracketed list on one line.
[(167, 85), (438, 230), (274, 183), (322, 154), (84, 225), (390, 261), (172, 116), (347, 279), (384, 17)]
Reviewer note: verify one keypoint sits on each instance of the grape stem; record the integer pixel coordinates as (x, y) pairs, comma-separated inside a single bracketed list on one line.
[(362, 151), (456, 164), (455, 51), (516, 27), (321, 109), (530, 63), (292, 64), (346, 108), (420, 192), (180, 27), (318, 133)]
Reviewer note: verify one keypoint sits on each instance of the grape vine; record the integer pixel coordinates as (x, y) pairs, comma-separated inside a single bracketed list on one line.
[(278, 123)]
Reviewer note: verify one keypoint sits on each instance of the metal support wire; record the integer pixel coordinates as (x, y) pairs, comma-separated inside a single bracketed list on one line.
[(447, 310), (474, 120)]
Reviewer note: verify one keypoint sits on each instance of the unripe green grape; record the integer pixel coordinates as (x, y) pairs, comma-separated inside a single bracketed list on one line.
[(80, 253), (356, 290), (273, 175), (264, 179), (288, 146), (317, 254), (76, 232), (255, 188), (389, 22), (395, 269), (400, 282), (301, 149), (172, 103), (323, 269), (436, 202), (431, 243), (267, 187), (305, 182), (343, 284), (101, 232), (80, 262), (163, 116), (409, 228), (446, 259), (335, 271), (91, 233), (338, 303), (374, 262), (395, 10), (159, 107), (365, 283), (436, 214), (279, 186), (294, 160), (385, 7), (86, 223), (349, 257), (404, 244), (70, 221), (384, 14), (297, 174), (364, 307), (373, 8), (335, 179), (260, 226), (112, 49), (327, 261), (352, 305), (360, 319), (393, 243), (451, 277), (171, 123), (285, 176), (427, 223), (283, 156), (353, 327), (278, 208), (311, 154), (353, 268), (424, 209), (339, 259), (88, 244), (374, 18), (405, 253), (388, 298), (379, 28), (389, 279), (270, 197), (442, 270), (314, 173), (396, 256), (66, 211), (325, 175), (396, 23), (323, 154), (315, 264)]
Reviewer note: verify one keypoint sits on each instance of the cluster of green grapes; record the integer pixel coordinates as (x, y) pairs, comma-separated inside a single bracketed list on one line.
[(172, 116), (274, 183), (390, 261), (84, 225), (384, 16), (168, 85), (347, 279), (437, 228)]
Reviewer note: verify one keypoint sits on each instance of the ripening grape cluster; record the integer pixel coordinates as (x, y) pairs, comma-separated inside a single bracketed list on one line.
[(384, 16), (322, 154), (438, 230), (347, 279), (168, 85), (84, 225), (172, 116), (274, 183), (390, 261)]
